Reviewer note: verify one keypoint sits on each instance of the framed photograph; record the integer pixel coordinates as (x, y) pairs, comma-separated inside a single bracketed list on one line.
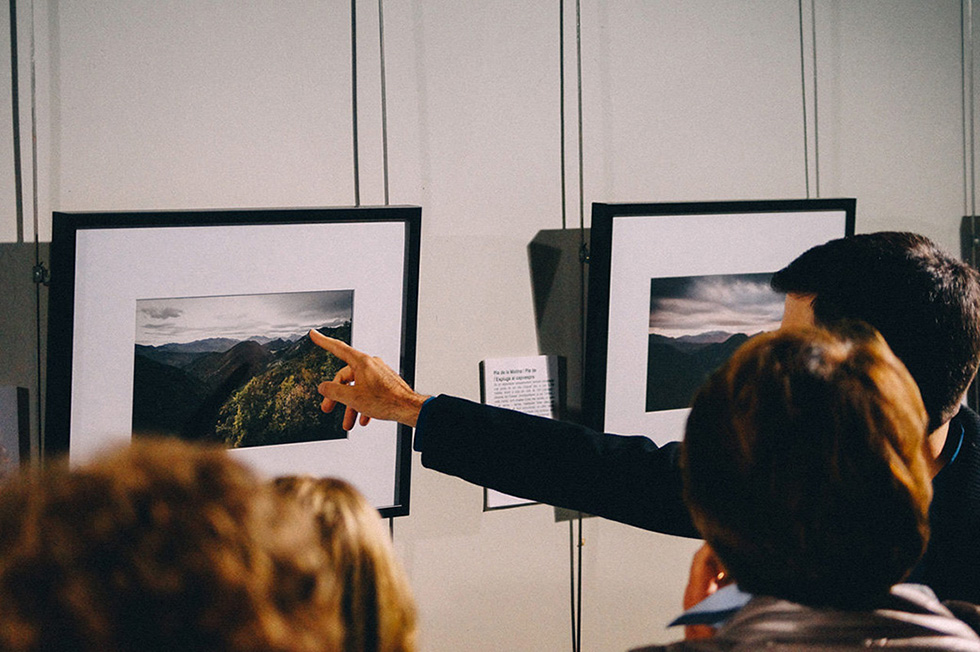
[(674, 289), (194, 324)]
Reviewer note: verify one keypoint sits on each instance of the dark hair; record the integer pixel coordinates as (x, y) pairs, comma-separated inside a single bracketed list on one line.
[(159, 546), (805, 467), (923, 301)]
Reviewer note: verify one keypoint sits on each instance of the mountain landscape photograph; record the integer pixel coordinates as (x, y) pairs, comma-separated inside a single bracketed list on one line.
[(696, 323), (238, 370)]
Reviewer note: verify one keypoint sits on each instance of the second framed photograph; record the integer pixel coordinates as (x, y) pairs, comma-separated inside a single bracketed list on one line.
[(674, 289), (194, 324)]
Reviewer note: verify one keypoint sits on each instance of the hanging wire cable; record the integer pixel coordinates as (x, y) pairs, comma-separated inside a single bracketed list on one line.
[(384, 147), (965, 109), (384, 98), (353, 94), (816, 103), (973, 130), (806, 152), (15, 109), (575, 570), (34, 132), (578, 626), (969, 131), (578, 61), (561, 106), (584, 259), (583, 247), (969, 126), (40, 271), (34, 140), (571, 578), (572, 593)]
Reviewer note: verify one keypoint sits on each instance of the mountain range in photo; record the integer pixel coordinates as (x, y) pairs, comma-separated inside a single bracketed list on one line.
[(696, 323), (256, 391), (239, 370), (681, 365)]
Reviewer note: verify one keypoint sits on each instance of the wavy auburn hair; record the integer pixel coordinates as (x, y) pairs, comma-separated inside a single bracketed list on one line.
[(805, 466)]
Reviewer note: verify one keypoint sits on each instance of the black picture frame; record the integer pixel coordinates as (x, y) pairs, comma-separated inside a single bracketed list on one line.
[(635, 244), (105, 263)]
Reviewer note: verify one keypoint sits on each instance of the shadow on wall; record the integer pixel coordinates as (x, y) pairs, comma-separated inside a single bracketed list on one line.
[(23, 309), (558, 282)]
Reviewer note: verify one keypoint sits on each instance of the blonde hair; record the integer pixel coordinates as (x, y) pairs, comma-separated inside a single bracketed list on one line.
[(161, 545), (376, 604)]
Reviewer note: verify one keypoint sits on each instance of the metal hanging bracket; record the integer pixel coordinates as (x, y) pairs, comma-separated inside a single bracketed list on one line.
[(41, 274)]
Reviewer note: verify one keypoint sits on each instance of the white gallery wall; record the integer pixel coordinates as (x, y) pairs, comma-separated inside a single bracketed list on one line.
[(175, 104)]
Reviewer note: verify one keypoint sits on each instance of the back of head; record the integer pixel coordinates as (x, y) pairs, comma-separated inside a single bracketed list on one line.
[(377, 609), (160, 546), (923, 301), (805, 466)]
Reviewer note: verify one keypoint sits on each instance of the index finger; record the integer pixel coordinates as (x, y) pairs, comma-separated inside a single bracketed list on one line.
[(340, 349)]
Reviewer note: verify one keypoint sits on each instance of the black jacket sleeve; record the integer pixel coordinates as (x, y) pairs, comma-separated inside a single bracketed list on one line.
[(625, 479), (950, 564)]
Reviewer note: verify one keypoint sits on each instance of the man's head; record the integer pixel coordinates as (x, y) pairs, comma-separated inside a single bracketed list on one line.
[(923, 301), (805, 467)]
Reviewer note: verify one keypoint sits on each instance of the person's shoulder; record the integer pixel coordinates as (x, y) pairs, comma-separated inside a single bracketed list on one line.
[(969, 420), (953, 619), (913, 596), (968, 612)]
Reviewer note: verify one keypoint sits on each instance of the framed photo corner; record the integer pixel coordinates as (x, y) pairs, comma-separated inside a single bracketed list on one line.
[(194, 324), (674, 288)]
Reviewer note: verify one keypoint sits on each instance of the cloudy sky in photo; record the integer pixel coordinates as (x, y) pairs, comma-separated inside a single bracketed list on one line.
[(187, 319), (733, 303)]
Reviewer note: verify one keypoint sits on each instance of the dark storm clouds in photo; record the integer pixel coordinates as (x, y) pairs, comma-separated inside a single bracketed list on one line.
[(696, 323)]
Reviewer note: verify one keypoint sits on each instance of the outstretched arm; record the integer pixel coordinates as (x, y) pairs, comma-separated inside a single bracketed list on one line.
[(366, 386), (626, 479)]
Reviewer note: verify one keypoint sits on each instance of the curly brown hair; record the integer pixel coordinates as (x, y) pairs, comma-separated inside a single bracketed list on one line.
[(375, 602), (159, 546)]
